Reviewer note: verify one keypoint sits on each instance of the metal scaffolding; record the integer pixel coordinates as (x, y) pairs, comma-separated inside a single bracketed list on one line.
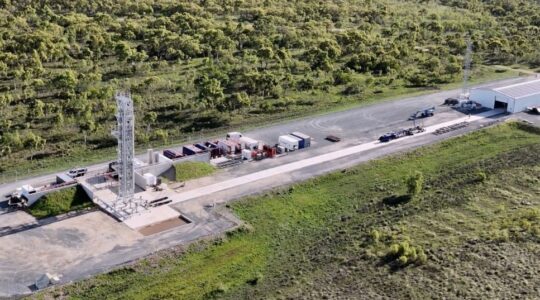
[(125, 134)]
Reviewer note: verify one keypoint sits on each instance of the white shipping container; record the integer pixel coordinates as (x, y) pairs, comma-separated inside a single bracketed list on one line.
[(248, 143), (289, 142)]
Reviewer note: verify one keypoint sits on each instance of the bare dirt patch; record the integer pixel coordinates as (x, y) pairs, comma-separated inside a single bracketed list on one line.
[(162, 226)]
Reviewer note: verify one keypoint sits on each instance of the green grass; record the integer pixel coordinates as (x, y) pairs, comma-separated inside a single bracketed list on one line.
[(192, 169), (318, 237), (60, 202)]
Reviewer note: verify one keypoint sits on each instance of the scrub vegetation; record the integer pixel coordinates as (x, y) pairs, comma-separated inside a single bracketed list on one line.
[(470, 228), (192, 169), (196, 67), (60, 202)]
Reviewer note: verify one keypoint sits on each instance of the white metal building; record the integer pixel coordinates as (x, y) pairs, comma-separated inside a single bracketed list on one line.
[(512, 98)]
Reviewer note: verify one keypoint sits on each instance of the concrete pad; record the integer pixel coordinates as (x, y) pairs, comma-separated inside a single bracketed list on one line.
[(151, 216), (59, 246), (15, 218)]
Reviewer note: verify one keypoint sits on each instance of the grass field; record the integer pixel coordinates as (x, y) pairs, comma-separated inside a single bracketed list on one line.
[(473, 231), (192, 169), (60, 202)]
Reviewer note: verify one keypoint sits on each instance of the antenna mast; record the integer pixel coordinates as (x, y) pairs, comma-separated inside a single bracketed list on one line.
[(466, 70)]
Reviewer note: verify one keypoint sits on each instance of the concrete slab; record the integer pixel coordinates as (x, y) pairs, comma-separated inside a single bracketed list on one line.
[(59, 246), (15, 218), (151, 216)]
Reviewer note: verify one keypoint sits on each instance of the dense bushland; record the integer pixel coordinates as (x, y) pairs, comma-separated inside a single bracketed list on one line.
[(202, 65)]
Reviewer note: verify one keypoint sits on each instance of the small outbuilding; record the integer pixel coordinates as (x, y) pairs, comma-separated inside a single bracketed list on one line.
[(511, 98)]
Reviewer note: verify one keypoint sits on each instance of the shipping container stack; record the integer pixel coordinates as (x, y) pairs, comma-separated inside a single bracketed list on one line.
[(305, 139)]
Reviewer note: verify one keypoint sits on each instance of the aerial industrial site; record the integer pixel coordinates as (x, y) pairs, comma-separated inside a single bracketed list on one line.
[(140, 205), (375, 184)]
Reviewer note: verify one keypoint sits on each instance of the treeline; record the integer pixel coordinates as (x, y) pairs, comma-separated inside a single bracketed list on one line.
[(193, 65)]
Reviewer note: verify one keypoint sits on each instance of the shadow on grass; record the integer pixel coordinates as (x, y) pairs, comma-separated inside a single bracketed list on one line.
[(395, 200)]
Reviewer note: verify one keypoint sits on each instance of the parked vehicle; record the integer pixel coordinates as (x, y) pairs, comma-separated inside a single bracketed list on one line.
[(387, 137), (400, 133), (333, 138), (451, 101), (77, 172), (425, 113), (534, 110)]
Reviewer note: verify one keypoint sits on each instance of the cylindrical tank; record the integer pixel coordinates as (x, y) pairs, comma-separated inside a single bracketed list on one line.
[(150, 156)]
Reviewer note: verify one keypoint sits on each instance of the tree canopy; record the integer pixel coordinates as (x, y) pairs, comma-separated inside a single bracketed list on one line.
[(61, 61)]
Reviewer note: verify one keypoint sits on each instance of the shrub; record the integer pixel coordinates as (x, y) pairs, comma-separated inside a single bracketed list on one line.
[(415, 184), (352, 89), (480, 176), (375, 235), (404, 254), (403, 260), (253, 281)]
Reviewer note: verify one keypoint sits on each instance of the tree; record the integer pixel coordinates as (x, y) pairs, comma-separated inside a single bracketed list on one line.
[(36, 63), (162, 135), (238, 101), (123, 51), (38, 109), (150, 118), (266, 53), (35, 141), (59, 119), (210, 91), (13, 140), (66, 81), (415, 184)]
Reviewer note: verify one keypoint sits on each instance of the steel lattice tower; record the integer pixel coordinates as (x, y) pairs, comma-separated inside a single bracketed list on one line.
[(125, 134)]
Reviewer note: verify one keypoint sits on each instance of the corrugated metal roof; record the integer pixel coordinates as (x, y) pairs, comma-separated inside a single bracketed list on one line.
[(520, 90)]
